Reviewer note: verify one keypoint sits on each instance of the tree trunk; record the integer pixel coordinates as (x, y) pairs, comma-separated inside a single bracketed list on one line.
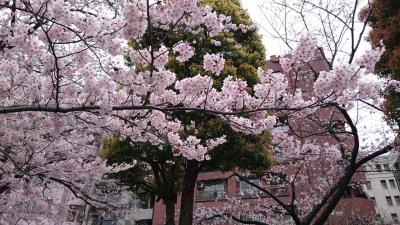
[(170, 210), (189, 183)]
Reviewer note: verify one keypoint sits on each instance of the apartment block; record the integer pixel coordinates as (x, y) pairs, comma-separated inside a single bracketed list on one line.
[(383, 187)]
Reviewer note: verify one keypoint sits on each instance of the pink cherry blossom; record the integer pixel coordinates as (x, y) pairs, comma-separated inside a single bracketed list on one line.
[(185, 51), (214, 63)]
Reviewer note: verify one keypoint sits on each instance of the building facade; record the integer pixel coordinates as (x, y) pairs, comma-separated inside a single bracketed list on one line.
[(383, 187), (67, 209), (76, 212)]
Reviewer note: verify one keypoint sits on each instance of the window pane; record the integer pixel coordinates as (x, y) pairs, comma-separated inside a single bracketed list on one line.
[(386, 166), (283, 128), (389, 200), (253, 216), (71, 215), (378, 167), (211, 189), (109, 222), (373, 200), (392, 184), (305, 94), (277, 180), (219, 187), (384, 184), (247, 189), (395, 218), (397, 200)]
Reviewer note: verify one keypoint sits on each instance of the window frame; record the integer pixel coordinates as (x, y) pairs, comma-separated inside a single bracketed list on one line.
[(201, 193), (250, 190), (373, 199), (395, 217), (389, 200), (392, 183), (386, 167), (384, 184), (397, 199)]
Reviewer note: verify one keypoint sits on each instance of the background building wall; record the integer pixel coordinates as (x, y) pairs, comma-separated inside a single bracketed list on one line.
[(381, 172)]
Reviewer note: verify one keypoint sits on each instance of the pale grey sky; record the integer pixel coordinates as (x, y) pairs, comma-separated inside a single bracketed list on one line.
[(273, 46)]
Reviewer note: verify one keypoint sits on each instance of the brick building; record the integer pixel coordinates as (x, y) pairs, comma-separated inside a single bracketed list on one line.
[(223, 192)]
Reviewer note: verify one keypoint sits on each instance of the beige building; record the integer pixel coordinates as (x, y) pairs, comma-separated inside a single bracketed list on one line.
[(77, 212), (69, 210), (383, 187)]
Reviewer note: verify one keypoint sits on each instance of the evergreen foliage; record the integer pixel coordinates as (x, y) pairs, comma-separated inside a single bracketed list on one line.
[(158, 171)]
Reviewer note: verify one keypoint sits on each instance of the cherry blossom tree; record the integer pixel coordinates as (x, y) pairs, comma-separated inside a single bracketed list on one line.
[(324, 150), (62, 86)]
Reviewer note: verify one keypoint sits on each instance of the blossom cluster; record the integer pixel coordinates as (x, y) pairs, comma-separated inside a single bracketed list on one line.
[(370, 58), (146, 57), (135, 13), (185, 51), (304, 52), (214, 63)]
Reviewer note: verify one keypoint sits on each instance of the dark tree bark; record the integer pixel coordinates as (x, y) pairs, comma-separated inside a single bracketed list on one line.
[(189, 183), (170, 210)]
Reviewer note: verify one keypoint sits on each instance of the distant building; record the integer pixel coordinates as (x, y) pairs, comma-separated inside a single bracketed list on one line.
[(67, 209), (383, 186), (215, 189), (75, 211)]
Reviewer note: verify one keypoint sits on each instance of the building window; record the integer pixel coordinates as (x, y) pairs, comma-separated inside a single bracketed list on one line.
[(368, 185), (283, 129), (145, 203), (395, 218), (246, 189), (305, 94), (378, 167), (397, 200), (109, 222), (392, 184), (76, 214), (389, 200), (104, 192), (29, 206), (253, 216), (386, 166), (143, 222), (208, 190), (373, 200), (384, 184), (277, 180)]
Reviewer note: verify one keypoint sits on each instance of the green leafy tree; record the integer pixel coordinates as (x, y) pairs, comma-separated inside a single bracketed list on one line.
[(161, 173), (156, 172)]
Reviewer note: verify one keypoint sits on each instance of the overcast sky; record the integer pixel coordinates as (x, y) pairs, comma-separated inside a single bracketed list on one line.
[(273, 46)]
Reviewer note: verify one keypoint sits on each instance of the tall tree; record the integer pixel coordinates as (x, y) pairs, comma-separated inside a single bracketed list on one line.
[(314, 173), (60, 86), (171, 175), (384, 19)]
